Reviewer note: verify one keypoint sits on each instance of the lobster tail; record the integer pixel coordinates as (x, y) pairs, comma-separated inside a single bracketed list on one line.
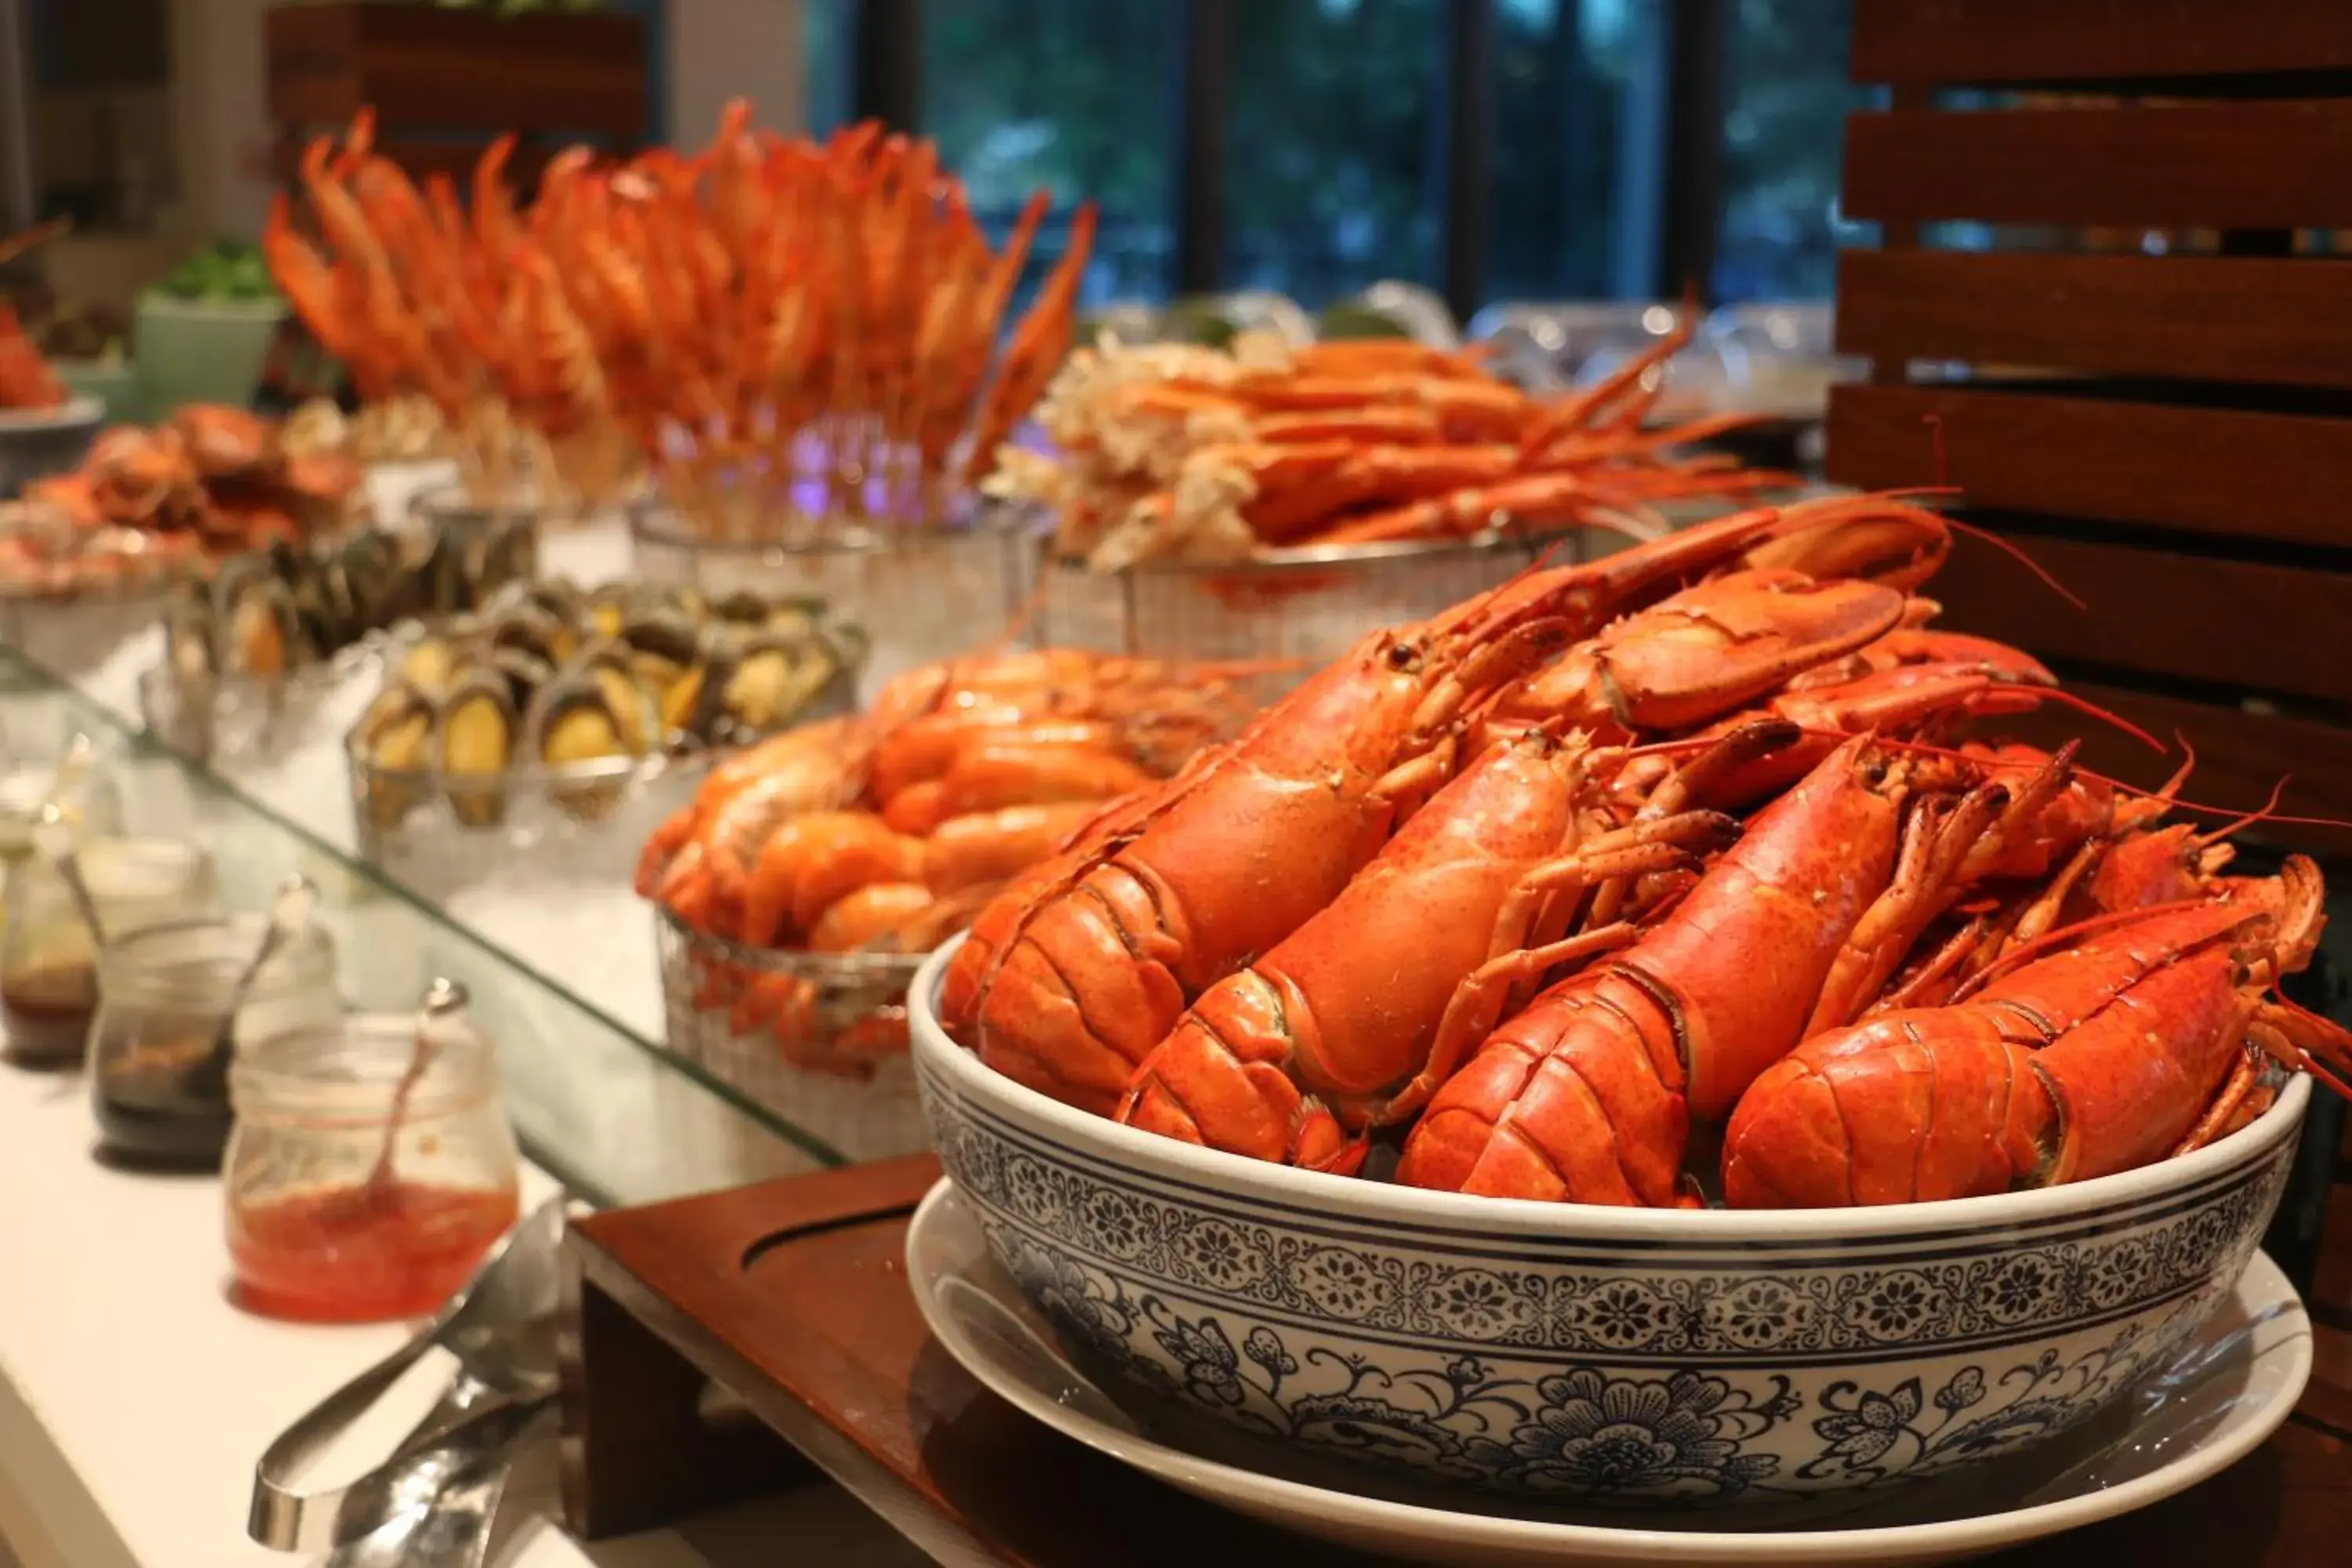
[(1578, 1099), (1875, 1114)]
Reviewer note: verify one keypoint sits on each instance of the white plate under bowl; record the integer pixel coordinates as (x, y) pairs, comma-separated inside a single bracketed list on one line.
[(2226, 1390)]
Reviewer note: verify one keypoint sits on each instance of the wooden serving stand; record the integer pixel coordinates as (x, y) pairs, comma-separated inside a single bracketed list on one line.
[(792, 1297)]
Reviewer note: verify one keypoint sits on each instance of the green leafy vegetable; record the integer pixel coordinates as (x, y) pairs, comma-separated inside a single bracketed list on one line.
[(226, 271)]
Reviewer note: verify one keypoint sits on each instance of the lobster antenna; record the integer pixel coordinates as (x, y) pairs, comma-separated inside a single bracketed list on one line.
[(2064, 935), (2081, 704), (2310, 1063), (2264, 815), (2171, 786), (2017, 552), (1939, 490), (1928, 749)]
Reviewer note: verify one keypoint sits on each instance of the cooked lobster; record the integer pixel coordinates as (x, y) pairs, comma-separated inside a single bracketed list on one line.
[(1068, 985), (2127, 1038), (1329, 1034), (1589, 1094)]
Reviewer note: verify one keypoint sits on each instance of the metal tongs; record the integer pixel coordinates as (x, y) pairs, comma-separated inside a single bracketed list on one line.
[(502, 1329)]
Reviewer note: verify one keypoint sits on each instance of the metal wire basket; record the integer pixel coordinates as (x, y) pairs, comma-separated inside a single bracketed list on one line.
[(926, 594), (818, 1039), (1297, 608)]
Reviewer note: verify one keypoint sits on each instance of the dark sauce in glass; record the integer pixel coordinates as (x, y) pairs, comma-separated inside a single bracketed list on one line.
[(156, 1105), (47, 1013)]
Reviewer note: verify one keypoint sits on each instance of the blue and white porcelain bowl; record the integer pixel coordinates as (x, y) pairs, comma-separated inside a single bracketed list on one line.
[(1595, 1353)]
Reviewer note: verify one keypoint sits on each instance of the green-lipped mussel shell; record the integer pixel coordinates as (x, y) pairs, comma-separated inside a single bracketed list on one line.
[(474, 745)]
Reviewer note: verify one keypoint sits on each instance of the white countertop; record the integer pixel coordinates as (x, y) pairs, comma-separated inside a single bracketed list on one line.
[(134, 1398)]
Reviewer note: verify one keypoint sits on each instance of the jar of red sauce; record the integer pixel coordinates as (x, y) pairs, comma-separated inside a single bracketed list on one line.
[(371, 1168)]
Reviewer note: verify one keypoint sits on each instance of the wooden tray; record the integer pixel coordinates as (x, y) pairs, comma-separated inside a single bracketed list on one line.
[(791, 1296)]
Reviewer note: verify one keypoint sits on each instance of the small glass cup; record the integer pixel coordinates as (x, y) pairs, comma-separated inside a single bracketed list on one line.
[(371, 1168), (165, 998), (91, 802), (48, 963)]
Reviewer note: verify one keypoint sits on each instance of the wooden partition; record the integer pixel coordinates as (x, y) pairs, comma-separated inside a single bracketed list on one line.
[(2166, 428), (444, 83)]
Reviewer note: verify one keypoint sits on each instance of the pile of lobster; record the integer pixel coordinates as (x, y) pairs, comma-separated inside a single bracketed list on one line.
[(1483, 886), (26, 382), (209, 483), (1174, 452), (885, 831), (785, 328)]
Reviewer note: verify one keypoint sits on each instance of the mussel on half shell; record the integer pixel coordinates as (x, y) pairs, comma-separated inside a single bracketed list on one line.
[(258, 629), (593, 713), (188, 644), (670, 655), (474, 745), (394, 739), (555, 596), (430, 664), (772, 682), (533, 628)]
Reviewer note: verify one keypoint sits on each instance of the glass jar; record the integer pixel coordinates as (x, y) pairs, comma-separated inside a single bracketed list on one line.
[(367, 1175), (89, 801), (164, 995), (48, 963)]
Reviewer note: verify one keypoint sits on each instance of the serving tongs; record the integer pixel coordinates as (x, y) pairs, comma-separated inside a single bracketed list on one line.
[(501, 1328)]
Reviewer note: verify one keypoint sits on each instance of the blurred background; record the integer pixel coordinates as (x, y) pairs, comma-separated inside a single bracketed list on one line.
[(1490, 149)]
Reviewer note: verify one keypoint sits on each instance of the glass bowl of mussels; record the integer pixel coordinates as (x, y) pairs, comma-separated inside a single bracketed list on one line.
[(557, 716), (253, 652)]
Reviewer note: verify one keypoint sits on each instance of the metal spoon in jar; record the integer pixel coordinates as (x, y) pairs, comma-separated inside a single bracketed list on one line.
[(444, 999), (289, 917), (54, 841)]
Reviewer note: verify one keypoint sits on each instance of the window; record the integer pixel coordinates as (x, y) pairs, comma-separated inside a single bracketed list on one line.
[(1073, 96), (99, 109), (1786, 99), (1579, 148), (1335, 150), (1597, 128), (828, 39)]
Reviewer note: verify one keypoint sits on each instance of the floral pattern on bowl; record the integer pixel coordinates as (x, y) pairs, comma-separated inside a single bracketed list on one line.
[(1595, 1355)]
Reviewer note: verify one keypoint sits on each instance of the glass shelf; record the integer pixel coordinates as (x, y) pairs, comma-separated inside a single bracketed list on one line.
[(598, 1103)]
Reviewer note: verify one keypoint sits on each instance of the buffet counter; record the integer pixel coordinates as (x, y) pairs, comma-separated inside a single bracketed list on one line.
[(134, 1398)]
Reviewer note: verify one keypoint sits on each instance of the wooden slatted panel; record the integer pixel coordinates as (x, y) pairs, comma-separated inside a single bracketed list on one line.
[(2207, 470), (2266, 629), (422, 65), (2225, 318), (421, 158), (1931, 42), (2229, 118), (2240, 756), (2198, 166)]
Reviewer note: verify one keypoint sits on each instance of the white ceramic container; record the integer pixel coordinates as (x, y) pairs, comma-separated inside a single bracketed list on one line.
[(1590, 1353)]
